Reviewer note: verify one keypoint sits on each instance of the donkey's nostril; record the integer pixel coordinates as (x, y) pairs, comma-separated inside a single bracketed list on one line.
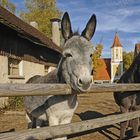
[(84, 81), (80, 82)]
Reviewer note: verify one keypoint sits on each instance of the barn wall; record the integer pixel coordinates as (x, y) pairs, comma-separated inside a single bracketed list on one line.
[(29, 50), (29, 69), (3, 78), (3, 69)]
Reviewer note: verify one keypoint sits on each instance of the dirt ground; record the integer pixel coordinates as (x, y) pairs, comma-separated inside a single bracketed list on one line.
[(90, 107)]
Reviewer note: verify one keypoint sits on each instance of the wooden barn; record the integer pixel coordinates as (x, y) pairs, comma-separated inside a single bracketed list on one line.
[(24, 51)]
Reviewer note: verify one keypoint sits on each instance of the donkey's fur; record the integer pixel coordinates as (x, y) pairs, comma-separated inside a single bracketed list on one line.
[(129, 101), (74, 69)]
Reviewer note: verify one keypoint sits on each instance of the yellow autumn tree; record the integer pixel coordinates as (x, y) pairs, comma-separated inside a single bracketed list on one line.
[(95, 57), (8, 5), (127, 59), (41, 11)]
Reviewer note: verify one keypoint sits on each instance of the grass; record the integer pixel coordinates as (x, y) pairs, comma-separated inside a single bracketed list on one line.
[(15, 103)]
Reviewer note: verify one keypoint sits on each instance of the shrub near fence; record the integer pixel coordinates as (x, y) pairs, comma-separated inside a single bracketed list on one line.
[(7, 90)]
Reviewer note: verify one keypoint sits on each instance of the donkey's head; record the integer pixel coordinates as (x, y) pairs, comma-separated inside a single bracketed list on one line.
[(76, 64)]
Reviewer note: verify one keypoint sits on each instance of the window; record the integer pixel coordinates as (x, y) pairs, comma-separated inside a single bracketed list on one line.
[(15, 67), (116, 53), (46, 70)]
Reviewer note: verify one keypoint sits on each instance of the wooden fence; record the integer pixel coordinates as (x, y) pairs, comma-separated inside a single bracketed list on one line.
[(66, 129)]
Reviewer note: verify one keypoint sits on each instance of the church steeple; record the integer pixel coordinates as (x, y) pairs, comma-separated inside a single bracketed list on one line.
[(116, 59), (116, 42), (116, 49)]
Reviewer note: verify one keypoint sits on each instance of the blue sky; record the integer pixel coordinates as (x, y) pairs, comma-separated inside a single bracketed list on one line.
[(122, 16)]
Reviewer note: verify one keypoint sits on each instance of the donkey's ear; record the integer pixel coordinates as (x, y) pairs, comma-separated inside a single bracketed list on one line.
[(88, 32), (66, 26)]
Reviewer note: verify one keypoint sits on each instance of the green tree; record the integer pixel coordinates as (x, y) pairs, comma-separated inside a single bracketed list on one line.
[(127, 59), (8, 5), (95, 57), (41, 11)]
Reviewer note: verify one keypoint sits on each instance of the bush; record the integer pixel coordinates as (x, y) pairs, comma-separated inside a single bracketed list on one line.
[(15, 103)]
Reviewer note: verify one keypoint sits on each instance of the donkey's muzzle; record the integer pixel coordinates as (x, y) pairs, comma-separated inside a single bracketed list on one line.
[(84, 82)]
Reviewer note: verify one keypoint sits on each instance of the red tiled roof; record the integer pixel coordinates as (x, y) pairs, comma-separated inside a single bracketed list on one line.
[(116, 42), (103, 70)]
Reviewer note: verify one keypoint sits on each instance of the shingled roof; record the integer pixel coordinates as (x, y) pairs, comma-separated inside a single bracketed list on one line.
[(116, 42), (103, 71), (26, 30)]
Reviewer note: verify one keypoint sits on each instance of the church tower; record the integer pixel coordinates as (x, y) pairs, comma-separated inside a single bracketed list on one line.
[(116, 59)]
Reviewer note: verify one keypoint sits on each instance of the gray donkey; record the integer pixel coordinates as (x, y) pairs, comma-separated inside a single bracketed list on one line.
[(74, 69)]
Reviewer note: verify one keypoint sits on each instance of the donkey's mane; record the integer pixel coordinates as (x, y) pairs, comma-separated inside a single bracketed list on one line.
[(76, 33)]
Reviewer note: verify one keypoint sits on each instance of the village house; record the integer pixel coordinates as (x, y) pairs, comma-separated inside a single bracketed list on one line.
[(24, 51), (110, 69)]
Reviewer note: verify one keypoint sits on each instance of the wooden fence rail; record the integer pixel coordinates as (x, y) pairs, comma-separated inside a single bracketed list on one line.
[(67, 129), (57, 89)]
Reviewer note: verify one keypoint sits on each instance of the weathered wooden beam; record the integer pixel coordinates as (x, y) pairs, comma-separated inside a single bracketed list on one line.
[(95, 88), (59, 89), (67, 129), (33, 89), (136, 138)]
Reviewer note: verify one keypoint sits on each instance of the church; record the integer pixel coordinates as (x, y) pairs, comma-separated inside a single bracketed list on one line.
[(110, 70)]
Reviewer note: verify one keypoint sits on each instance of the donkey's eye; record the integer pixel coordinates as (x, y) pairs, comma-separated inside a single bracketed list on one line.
[(67, 55)]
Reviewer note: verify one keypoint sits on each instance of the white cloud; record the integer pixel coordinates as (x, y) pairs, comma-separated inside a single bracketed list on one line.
[(121, 19), (111, 14)]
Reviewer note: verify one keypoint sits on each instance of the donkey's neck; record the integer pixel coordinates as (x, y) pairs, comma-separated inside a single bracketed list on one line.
[(59, 74)]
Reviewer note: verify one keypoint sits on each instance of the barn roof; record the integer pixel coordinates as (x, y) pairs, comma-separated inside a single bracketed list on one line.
[(103, 69), (26, 30)]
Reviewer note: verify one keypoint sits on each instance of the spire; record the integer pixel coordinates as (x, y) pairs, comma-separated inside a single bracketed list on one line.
[(116, 42)]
